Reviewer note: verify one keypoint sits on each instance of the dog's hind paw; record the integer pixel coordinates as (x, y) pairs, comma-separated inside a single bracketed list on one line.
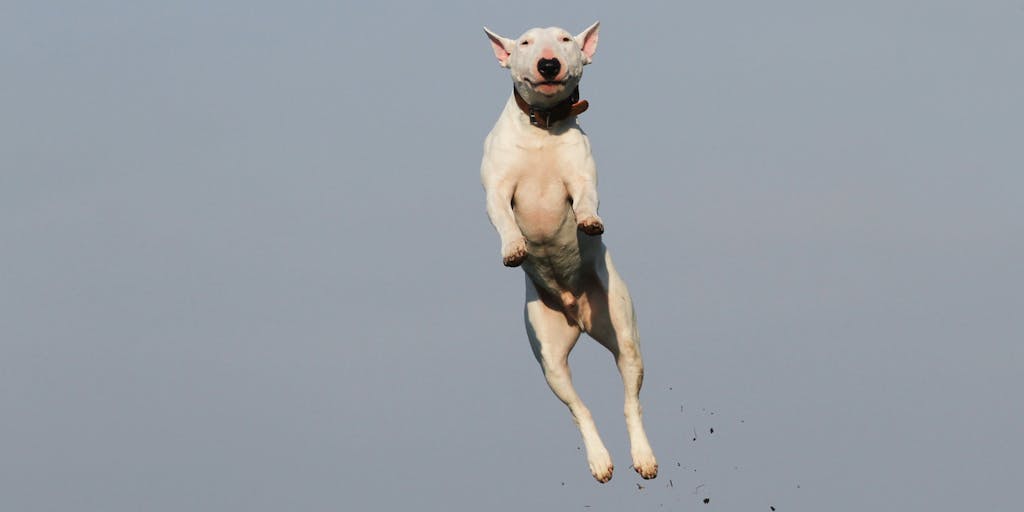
[(514, 253), (591, 225), (602, 468), (645, 465)]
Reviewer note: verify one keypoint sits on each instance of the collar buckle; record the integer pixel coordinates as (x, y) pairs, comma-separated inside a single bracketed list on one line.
[(540, 122)]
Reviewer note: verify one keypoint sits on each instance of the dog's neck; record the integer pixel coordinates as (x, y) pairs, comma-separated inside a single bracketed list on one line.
[(545, 117)]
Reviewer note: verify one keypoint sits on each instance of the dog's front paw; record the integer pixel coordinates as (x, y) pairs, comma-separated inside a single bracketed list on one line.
[(514, 253), (591, 225)]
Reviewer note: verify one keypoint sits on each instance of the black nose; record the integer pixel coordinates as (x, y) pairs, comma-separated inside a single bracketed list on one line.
[(549, 68)]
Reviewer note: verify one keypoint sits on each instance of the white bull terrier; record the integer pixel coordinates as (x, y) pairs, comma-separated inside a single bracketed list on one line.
[(541, 186)]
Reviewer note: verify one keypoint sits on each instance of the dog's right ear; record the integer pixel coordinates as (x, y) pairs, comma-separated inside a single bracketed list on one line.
[(502, 47), (588, 42)]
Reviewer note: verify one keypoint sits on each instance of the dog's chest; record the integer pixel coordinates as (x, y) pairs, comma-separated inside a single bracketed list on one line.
[(541, 166), (544, 161), (541, 200)]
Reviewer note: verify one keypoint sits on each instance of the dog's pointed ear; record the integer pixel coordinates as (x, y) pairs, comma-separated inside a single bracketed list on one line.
[(502, 47), (588, 42)]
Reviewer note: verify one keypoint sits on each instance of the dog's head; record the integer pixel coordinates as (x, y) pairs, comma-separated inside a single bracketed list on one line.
[(546, 63)]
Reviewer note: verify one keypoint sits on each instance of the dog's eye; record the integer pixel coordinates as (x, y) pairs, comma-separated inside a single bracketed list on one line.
[(525, 42), (566, 39)]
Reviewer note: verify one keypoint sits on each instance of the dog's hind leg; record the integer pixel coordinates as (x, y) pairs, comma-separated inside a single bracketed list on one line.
[(552, 337), (612, 322)]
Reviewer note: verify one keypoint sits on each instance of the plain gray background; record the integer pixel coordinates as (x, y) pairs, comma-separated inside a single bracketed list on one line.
[(245, 262)]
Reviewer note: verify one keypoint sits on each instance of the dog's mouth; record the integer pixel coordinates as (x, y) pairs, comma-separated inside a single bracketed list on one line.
[(547, 84)]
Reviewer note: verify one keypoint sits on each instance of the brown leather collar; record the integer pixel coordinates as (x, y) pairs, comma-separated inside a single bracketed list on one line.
[(545, 117)]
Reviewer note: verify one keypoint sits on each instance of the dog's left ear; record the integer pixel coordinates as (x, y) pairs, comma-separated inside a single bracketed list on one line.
[(588, 42), (502, 47)]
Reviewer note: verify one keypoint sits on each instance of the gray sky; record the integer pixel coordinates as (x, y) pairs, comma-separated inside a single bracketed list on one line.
[(246, 265)]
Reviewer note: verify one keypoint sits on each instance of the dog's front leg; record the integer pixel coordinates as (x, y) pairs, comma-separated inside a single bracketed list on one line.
[(582, 188), (499, 209)]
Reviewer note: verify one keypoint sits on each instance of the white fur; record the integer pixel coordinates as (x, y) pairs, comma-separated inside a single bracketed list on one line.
[(541, 188)]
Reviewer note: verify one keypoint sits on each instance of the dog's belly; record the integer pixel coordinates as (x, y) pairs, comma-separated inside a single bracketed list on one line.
[(544, 214)]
